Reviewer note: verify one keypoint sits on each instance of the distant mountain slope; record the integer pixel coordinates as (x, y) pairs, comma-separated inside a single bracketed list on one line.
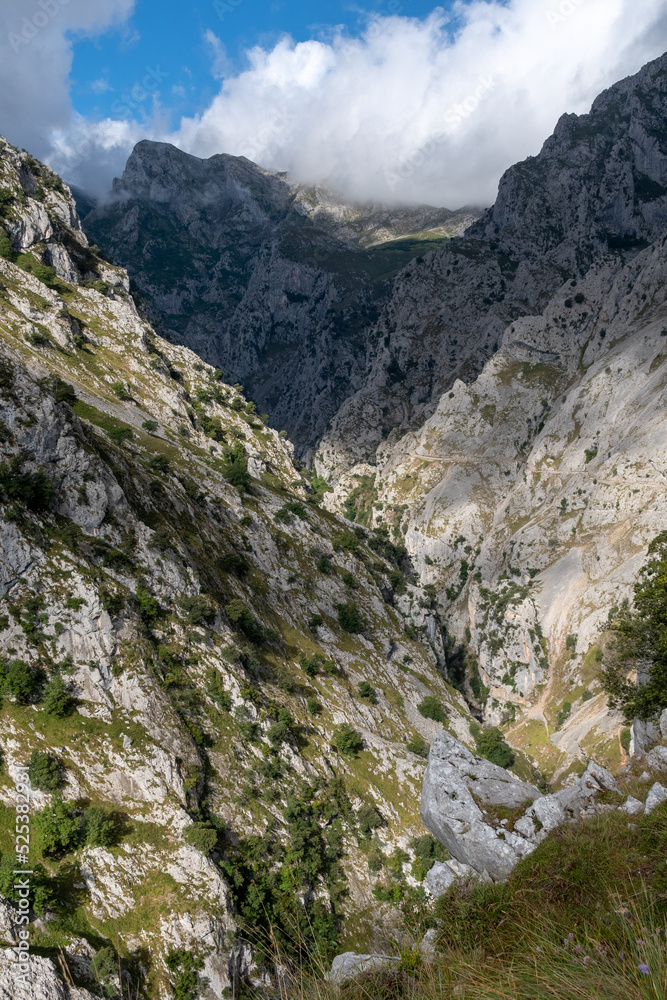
[(272, 282)]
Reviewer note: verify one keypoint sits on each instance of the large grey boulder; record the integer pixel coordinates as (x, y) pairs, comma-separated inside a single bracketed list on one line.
[(570, 803), (459, 793), (348, 965), (656, 796), (657, 759), (43, 983)]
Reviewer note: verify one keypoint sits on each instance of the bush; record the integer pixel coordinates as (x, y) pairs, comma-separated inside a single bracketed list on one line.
[(235, 468), (119, 389), (44, 772), (349, 580), (313, 706), (149, 609), (432, 708), (419, 746), (185, 967), (311, 665), (347, 741), (57, 828), (202, 836), (216, 690), (626, 739), (58, 700), (199, 610), (349, 618), (234, 563), (367, 692), (564, 714), (104, 967), (491, 744), (23, 682), (239, 615), (150, 426), (6, 249), (159, 463), (63, 392), (98, 827), (33, 489), (43, 889), (369, 819)]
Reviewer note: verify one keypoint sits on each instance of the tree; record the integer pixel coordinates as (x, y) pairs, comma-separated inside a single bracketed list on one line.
[(99, 829), (491, 744), (58, 700), (236, 468), (202, 836), (349, 618), (347, 741), (23, 681), (44, 772), (58, 830), (640, 649)]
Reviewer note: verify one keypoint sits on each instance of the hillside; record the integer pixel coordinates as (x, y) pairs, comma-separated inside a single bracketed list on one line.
[(206, 654)]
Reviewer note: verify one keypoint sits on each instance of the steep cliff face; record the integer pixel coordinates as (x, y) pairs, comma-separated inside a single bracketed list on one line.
[(598, 186), (207, 656), (275, 284)]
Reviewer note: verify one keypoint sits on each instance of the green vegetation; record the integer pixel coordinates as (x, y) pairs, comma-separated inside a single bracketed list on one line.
[(44, 772), (347, 741), (57, 700), (432, 708), (349, 618), (418, 745), (185, 968), (236, 468), (641, 638), (491, 744), (367, 692), (33, 490), (202, 836), (22, 681)]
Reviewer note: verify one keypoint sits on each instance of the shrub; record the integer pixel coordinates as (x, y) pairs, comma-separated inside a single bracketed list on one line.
[(149, 609), (313, 706), (6, 249), (235, 468), (234, 563), (185, 967), (419, 746), (315, 621), (23, 682), (63, 392), (432, 708), (98, 827), (369, 819), (42, 891), (199, 610), (159, 463), (239, 615), (347, 741), (626, 739), (282, 729), (119, 389), (311, 665), (57, 828), (367, 692), (349, 580), (104, 967), (563, 714), (491, 744), (44, 772), (349, 618), (150, 426), (202, 836), (33, 489), (58, 700), (217, 691)]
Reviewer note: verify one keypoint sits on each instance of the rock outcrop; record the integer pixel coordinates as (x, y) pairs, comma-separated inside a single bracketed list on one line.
[(464, 798)]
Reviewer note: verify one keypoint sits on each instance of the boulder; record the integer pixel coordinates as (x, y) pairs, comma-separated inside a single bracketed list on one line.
[(656, 796), (348, 965), (44, 982), (633, 807), (657, 759), (445, 873), (458, 789)]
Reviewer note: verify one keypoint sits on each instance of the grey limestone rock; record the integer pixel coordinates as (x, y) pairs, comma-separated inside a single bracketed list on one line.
[(348, 965), (656, 796)]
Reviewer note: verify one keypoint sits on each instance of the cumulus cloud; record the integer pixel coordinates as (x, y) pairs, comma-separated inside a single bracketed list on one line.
[(429, 110), (36, 38)]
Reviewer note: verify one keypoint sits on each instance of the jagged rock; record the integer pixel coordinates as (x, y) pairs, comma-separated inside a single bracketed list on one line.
[(8, 924), (43, 983), (656, 796), (348, 965), (657, 759), (445, 873), (632, 806), (663, 724), (427, 946), (569, 803), (458, 789)]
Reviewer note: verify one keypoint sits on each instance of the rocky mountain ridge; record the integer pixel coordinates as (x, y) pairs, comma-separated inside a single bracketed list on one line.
[(275, 283)]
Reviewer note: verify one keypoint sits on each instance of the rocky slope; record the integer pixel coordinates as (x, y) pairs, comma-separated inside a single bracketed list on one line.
[(274, 283), (239, 657), (528, 498)]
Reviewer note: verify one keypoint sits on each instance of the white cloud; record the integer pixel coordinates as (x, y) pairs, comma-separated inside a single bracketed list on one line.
[(35, 62), (430, 110), (100, 86)]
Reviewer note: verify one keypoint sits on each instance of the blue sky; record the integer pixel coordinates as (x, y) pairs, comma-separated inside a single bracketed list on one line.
[(397, 101), (161, 36)]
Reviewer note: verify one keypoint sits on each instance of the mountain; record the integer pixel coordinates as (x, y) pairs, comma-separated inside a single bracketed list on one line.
[(220, 688), (528, 498), (274, 283)]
